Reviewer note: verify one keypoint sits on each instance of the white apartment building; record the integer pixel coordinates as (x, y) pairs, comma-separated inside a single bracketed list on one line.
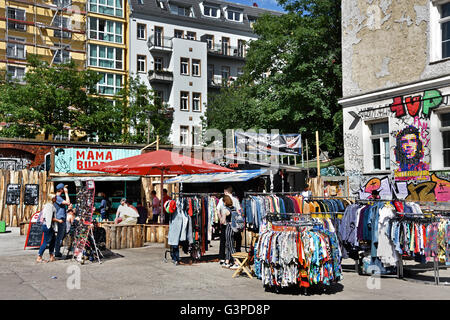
[(185, 49)]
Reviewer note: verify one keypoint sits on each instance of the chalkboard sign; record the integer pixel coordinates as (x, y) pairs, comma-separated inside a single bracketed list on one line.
[(35, 236), (13, 194), (31, 194)]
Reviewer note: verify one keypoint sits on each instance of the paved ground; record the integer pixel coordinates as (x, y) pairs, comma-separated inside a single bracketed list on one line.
[(141, 273)]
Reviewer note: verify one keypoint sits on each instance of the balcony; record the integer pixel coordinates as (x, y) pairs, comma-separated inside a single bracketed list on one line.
[(225, 51), (217, 82), (160, 76), (159, 44)]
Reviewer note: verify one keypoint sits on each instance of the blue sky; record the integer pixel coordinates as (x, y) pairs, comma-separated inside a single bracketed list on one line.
[(266, 4)]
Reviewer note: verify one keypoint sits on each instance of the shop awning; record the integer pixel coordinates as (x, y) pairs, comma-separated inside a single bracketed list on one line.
[(107, 178), (237, 176)]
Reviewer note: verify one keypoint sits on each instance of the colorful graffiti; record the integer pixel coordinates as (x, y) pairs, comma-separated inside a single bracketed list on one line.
[(409, 154), (431, 99), (436, 189)]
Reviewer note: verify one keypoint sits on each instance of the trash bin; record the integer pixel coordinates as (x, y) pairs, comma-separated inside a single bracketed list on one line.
[(2, 226)]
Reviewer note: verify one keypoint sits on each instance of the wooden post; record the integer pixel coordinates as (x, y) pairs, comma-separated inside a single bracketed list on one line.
[(307, 158), (157, 142), (123, 235), (317, 152), (118, 237), (130, 236)]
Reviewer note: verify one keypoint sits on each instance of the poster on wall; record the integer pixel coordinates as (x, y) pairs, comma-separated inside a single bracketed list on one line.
[(276, 144), (74, 160), (13, 194), (31, 196)]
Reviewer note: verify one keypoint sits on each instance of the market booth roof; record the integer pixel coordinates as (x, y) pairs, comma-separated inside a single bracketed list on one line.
[(157, 162), (99, 179), (237, 176)]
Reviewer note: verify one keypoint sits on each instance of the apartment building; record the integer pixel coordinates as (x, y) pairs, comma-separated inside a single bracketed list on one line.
[(396, 87), (186, 49), (55, 30)]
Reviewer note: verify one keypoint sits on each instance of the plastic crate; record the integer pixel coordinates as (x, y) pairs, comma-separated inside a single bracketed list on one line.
[(2, 226)]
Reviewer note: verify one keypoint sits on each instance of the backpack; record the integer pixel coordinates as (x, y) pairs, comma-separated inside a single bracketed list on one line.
[(237, 221)]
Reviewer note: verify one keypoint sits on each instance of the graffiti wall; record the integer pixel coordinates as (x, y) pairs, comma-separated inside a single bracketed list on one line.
[(410, 142)]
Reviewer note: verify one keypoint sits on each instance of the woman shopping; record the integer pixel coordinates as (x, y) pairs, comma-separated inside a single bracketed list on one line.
[(48, 228), (225, 219)]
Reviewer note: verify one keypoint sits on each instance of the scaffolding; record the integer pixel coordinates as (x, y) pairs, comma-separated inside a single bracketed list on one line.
[(65, 38)]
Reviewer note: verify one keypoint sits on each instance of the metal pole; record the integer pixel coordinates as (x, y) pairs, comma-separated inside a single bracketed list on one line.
[(317, 153), (307, 158), (148, 130)]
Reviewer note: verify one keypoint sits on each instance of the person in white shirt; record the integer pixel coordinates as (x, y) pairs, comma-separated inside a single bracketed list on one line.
[(228, 191), (126, 213), (48, 228)]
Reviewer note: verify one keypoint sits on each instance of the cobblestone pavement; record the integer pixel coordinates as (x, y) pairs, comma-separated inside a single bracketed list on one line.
[(142, 273)]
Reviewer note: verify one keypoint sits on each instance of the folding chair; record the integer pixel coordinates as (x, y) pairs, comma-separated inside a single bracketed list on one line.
[(242, 259)]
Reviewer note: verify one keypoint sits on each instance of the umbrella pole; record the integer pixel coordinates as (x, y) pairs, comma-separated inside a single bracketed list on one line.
[(161, 204)]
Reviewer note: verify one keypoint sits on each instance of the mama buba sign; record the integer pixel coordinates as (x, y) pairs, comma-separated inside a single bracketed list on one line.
[(73, 160)]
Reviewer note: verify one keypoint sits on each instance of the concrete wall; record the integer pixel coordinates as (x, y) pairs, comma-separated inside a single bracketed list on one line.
[(387, 43)]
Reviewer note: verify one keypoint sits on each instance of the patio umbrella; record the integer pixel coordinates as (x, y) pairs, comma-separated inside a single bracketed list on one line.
[(158, 162)]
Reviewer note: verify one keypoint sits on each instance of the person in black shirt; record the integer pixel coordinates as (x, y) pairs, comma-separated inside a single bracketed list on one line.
[(143, 213)]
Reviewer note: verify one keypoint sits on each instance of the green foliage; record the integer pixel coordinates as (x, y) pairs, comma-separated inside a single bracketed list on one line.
[(54, 98), (292, 76), (135, 102)]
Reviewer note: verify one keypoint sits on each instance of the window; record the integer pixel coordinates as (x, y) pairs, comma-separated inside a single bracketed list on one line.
[(212, 12), (141, 31), (110, 83), (178, 34), (225, 73), (105, 57), (191, 35), (158, 41), (105, 30), (16, 73), (141, 63), (241, 48), (210, 71), (209, 41), (196, 135), (233, 15), (109, 7), (158, 97), (184, 101), (15, 50), (380, 145), (445, 129), (159, 63), (184, 66), (196, 67), (63, 3), (196, 101), (225, 46), (240, 72), (251, 20), (184, 135), (60, 56), (181, 11), (61, 22), (445, 27), (16, 14)]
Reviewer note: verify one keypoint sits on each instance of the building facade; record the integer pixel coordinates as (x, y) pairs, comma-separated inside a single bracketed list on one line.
[(185, 49), (396, 87)]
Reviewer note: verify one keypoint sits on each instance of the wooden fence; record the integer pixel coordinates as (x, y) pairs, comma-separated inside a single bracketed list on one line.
[(14, 214)]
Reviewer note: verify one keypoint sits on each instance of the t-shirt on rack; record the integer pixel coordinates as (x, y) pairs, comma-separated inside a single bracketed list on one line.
[(297, 253), (391, 230), (193, 221)]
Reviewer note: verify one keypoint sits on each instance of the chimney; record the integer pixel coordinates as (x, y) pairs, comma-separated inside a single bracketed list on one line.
[(255, 4)]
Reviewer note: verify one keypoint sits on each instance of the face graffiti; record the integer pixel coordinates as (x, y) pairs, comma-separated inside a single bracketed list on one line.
[(409, 145)]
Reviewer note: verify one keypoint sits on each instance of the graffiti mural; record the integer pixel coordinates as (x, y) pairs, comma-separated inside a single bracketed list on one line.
[(409, 155), (435, 189), (412, 105)]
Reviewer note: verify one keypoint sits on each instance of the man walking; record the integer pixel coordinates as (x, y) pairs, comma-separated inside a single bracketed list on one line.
[(61, 208)]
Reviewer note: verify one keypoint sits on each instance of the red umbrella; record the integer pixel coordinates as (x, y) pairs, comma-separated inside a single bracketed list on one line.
[(158, 162)]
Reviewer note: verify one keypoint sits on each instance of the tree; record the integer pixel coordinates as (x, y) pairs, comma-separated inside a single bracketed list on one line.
[(51, 99), (292, 76), (140, 111)]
